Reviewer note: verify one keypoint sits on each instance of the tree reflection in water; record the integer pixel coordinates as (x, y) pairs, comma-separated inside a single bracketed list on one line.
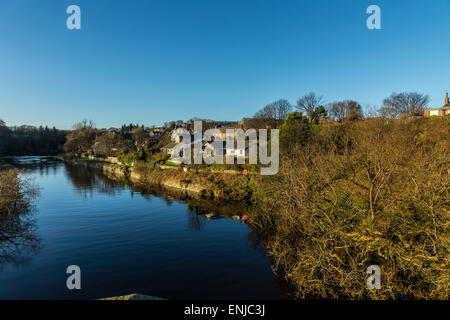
[(196, 217), (86, 181), (19, 240), (89, 180)]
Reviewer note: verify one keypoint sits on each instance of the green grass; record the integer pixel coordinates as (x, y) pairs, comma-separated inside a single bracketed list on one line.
[(171, 164)]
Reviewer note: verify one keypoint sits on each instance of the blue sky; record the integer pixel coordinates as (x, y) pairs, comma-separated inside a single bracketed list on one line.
[(153, 61)]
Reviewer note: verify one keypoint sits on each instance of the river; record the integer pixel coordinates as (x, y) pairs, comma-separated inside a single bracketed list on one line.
[(128, 241)]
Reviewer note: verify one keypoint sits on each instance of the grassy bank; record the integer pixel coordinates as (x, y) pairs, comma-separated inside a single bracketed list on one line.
[(363, 193)]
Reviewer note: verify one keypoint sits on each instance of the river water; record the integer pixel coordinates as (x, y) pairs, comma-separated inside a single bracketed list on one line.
[(128, 241)]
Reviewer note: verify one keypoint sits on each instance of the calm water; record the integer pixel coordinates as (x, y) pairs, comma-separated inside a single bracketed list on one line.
[(127, 241)]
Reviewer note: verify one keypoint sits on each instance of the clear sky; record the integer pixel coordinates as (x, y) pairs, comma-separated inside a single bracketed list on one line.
[(153, 61)]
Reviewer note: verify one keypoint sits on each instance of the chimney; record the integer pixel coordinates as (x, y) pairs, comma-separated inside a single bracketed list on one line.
[(446, 98)]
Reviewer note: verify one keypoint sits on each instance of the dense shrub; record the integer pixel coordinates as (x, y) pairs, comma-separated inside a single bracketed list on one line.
[(363, 193), (128, 158)]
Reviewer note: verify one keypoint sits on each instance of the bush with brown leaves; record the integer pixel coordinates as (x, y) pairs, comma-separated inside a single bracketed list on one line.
[(358, 194)]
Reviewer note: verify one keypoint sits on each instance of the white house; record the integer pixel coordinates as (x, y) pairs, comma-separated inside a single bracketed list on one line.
[(439, 112)]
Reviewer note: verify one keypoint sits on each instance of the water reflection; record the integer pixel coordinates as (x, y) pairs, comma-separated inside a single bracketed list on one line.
[(86, 181), (19, 240), (196, 222), (199, 212)]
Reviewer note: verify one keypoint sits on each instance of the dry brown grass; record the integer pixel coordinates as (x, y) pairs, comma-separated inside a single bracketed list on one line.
[(363, 193)]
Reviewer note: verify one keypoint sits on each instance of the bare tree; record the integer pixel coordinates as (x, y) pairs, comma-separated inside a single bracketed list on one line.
[(347, 109), (82, 138), (84, 124), (274, 114), (408, 103), (309, 102), (282, 109), (139, 137), (371, 112)]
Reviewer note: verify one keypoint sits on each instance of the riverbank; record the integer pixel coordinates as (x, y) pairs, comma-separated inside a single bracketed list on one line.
[(203, 185)]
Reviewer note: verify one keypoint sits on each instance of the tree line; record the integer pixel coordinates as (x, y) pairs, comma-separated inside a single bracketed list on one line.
[(314, 107), (30, 140), (86, 138)]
